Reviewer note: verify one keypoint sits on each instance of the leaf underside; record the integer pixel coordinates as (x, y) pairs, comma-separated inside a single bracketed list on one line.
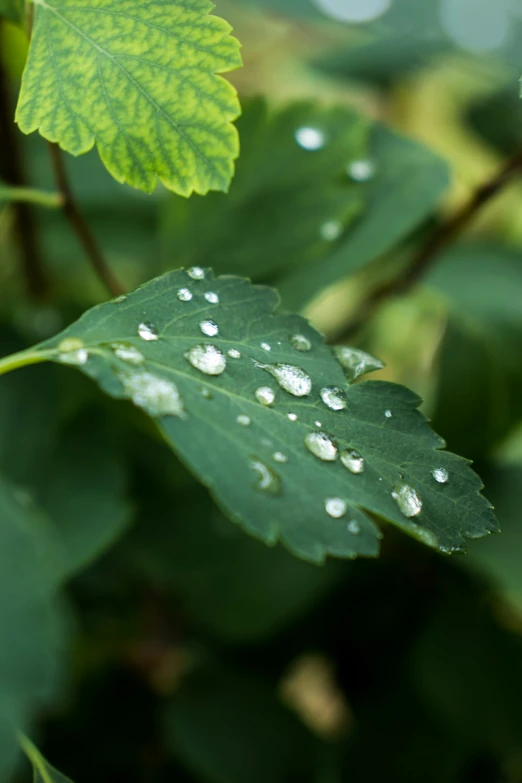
[(225, 453), (140, 81)]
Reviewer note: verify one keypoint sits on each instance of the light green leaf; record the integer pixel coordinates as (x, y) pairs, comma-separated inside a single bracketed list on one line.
[(287, 204), (159, 347), (43, 772), (30, 565), (139, 81), (12, 10), (409, 181)]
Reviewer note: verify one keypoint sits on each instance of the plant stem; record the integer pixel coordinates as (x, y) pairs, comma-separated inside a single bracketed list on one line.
[(41, 198), (430, 251), (23, 359), (12, 171), (79, 224)]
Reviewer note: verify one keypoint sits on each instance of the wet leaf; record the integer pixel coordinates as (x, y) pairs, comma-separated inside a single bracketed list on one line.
[(245, 410)]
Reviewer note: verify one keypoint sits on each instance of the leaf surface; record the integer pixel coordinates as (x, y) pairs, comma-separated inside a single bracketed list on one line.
[(139, 81), (43, 772), (300, 470)]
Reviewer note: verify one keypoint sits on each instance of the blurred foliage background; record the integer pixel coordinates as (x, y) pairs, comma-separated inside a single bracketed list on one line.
[(194, 652)]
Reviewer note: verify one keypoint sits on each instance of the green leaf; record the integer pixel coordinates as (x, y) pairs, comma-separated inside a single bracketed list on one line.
[(408, 183), (272, 468), (43, 772), (29, 572), (12, 10), (139, 81), (287, 205), (231, 727)]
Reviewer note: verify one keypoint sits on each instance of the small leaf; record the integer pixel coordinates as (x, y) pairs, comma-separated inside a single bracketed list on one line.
[(139, 81), (289, 450), (43, 772)]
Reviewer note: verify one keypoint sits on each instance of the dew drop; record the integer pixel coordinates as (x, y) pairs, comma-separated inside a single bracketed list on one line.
[(292, 379), (361, 170), (355, 362), (243, 420), (158, 396), (334, 398), (73, 351), (440, 475), (292, 416), (310, 139), (207, 359), (212, 297), (184, 295), (266, 347), (234, 353), (407, 500), (300, 342), (354, 527), (335, 507), (209, 328), (267, 480), (279, 456), (318, 423), (265, 395), (196, 273), (148, 332), (388, 414), (352, 460), (206, 393), (119, 299), (128, 353), (331, 230), (321, 445)]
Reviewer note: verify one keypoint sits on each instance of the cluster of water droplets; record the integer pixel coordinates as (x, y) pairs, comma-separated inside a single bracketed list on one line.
[(71, 350), (155, 395), (128, 353)]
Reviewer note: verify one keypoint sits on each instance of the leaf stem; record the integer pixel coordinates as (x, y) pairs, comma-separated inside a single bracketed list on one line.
[(41, 198), (23, 359), (12, 171), (428, 254), (79, 224)]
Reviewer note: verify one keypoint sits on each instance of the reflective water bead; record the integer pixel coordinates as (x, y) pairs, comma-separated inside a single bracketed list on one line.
[(209, 328), (207, 359), (196, 273), (292, 416), (334, 398), (321, 445), (184, 295), (267, 480), (243, 420), (157, 396), (206, 393), (72, 351), (335, 507), (388, 414), (265, 395), (266, 347), (128, 353), (356, 362), (352, 460), (361, 170), (292, 379), (212, 297), (353, 527), (310, 139), (331, 230), (234, 353), (279, 456), (300, 342), (148, 332), (407, 500), (440, 475), (318, 423)]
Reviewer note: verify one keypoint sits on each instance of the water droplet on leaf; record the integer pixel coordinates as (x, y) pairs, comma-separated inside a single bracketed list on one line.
[(196, 273), (361, 170), (292, 416), (355, 362), (280, 457), (310, 139), (388, 414), (128, 353), (184, 295), (234, 353), (334, 398), (209, 328), (266, 347), (353, 527), (321, 446), (212, 297), (265, 395), (267, 480), (207, 359), (331, 230), (157, 396), (300, 342), (440, 475), (148, 332), (335, 507), (407, 500), (352, 460), (290, 378), (243, 420), (72, 351)]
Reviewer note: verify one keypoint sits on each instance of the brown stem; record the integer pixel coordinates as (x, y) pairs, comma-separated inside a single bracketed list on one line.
[(79, 224), (12, 170), (430, 251)]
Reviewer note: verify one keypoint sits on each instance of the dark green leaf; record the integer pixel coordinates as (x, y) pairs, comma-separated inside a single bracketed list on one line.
[(12, 10), (273, 468)]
